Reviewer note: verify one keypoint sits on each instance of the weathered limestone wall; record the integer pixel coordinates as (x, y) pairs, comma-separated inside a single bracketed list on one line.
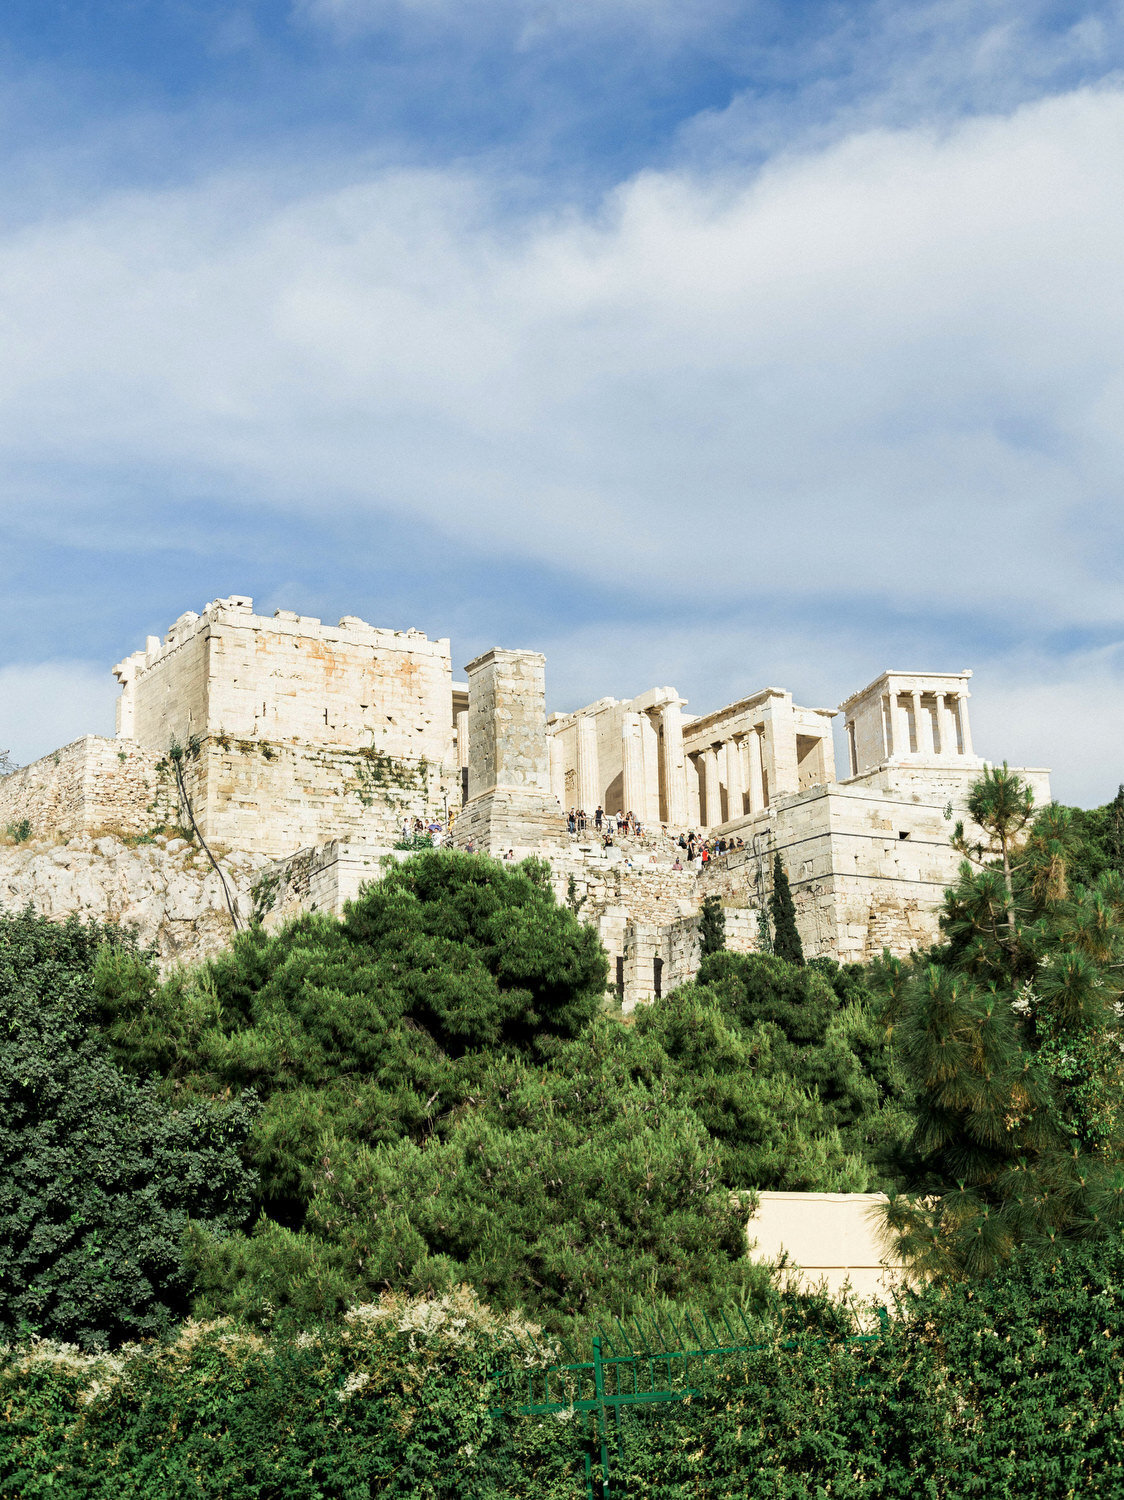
[(273, 798), (91, 785), (291, 679)]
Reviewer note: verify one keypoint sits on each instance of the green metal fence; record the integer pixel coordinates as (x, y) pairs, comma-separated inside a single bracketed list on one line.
[(642, 1361)]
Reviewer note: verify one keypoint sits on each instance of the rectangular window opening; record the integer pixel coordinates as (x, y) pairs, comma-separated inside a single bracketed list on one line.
[(657, 977)]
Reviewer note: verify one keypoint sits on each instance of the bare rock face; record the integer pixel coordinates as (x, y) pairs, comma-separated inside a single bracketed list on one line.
[(167, 890)]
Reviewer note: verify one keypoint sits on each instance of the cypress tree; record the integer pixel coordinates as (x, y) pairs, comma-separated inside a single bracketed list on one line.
[(786, 938), (712, 927)]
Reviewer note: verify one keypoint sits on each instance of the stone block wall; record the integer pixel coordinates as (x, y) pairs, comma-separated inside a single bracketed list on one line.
[(273, 799), (91, 785)]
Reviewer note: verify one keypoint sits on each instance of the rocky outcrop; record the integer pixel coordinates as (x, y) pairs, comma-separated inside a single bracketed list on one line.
[(166, 889)]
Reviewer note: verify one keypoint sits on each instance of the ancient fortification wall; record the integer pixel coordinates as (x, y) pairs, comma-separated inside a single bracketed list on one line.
[(308, 745), (91, 785)]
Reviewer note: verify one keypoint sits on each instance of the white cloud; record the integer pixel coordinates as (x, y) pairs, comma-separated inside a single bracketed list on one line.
[(886, 374), (848, 372), (44, 705)]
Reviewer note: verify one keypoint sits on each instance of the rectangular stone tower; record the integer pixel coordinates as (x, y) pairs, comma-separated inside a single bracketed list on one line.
[(510, 805)]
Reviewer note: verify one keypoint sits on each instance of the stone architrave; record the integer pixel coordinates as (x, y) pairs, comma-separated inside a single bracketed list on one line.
[(589, 794), (635, 792), (510, 804)]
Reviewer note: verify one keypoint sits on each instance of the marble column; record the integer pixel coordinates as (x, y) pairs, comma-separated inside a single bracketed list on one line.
[(675, 774), (735, 780), (462, 739), (589, 792), (887, 727), (924, 727), (712, 788), (965, 731), (945, 727), (632, 747), (694, 813), (756, 785)]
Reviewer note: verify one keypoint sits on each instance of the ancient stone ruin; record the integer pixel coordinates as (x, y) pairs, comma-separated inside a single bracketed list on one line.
[(309, 748)]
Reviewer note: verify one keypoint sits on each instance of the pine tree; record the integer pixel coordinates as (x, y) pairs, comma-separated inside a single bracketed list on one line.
[(786, 938), (712, 927)]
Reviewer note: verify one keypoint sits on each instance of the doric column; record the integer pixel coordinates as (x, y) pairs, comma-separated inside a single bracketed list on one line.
[(965, 731), (589, 791), (632, 748), (694, 812), (735, 780), (712, 788), (756, 786), (674, 767)]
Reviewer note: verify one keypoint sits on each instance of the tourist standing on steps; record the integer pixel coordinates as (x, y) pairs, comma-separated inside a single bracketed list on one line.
[(597, 817)]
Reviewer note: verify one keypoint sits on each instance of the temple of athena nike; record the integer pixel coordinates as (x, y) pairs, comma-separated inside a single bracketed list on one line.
[(311, 744)]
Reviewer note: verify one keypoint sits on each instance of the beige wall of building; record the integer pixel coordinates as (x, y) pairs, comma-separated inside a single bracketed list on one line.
[(829, 1239)]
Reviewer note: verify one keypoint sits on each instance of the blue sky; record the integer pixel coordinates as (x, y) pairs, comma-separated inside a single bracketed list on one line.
[(688, 341)]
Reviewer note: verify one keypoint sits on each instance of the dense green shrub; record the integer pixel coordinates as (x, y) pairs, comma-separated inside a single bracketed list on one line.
[(98, 1175), (1006, 1389)]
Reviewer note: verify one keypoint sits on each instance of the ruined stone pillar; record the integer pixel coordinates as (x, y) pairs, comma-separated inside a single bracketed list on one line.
[(712, 789), (589, 788), (756, 784), (674, 764), (634, 792), (735, 780), (510, 805), (780, 748)]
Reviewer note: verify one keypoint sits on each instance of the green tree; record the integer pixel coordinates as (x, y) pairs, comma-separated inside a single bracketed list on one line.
[(712, 927), (1001, 804), (782, 910), (99, 1174), (1012, 1042)]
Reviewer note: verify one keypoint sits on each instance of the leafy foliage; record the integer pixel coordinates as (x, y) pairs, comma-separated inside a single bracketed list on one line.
[(98, 1176), (1008, 1388), (712, 927), (782, 910), (1012, 1039), (443, 1100)]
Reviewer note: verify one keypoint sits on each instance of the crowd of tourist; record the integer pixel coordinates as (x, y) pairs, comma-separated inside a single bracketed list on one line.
[(692, 850)]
